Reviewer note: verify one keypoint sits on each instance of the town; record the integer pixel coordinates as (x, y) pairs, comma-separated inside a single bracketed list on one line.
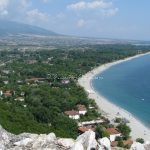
[(39, 93)]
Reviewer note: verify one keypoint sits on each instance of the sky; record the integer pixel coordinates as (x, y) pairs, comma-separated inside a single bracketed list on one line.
[(118, 19)]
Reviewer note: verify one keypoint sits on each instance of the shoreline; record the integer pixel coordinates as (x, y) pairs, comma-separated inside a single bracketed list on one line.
[(139, 130)]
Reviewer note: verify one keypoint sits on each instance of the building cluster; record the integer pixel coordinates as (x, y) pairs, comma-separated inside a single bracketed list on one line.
[(84, 126), (12, 94)]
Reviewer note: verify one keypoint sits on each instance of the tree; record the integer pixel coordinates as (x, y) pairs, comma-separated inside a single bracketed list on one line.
[(105, 134), (99, 131), (67, 126), (120, 144), (42, 114), (118, 138), (125, 130)]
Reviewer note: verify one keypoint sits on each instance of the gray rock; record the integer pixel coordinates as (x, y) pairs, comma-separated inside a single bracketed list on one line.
[(137, 146), (105, 143), (88, 140), (67, 143), (77, 146), (24, 142)]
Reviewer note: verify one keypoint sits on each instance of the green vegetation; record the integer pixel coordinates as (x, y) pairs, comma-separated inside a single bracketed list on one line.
[(140, 140), (101, 132), (44, 100), (125, 130), (120, 144), (118, 120)]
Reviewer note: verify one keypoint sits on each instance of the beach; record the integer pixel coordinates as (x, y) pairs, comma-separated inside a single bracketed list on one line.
[(139, 130)]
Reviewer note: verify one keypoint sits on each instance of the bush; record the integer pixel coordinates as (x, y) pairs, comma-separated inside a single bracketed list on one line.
[(120, 144), (140, 140), (118, 120), (118, 138)]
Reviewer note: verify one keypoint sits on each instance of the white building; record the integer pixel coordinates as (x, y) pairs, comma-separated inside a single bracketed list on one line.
[(73, 114), (82, 109), (21, 99), (113, 132), (1, 93)]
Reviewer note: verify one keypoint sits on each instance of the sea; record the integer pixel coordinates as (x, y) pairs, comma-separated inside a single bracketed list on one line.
[(127, 85)]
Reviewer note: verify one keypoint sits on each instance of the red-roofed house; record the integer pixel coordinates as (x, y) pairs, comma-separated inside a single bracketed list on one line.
[(114, 143), (8, 94), (128, 142), (82, 109), (73, 114), (83, 129), (113, 132)]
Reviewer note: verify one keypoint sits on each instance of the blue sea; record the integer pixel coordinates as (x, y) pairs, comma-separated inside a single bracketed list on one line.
[(128, 85)]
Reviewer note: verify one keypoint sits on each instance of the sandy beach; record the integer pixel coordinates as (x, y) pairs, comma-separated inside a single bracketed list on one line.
[(112, 110)]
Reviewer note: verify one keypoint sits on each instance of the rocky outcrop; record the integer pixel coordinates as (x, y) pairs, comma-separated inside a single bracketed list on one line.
[(105, 143), (86, 141), (28, 141), (137, 146)]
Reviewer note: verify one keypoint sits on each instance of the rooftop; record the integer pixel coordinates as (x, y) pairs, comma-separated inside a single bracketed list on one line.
[(81, 107), (72, 113), (112, 131), (84, 129), (127, 142)]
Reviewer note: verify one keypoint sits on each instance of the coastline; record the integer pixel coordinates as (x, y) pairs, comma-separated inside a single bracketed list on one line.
[(139, 130)]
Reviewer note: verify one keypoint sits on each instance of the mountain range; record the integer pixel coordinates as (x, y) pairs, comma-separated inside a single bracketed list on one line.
[(11, 28)]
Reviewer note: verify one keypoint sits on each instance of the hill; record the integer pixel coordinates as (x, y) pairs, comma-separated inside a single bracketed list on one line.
[(10, 28)]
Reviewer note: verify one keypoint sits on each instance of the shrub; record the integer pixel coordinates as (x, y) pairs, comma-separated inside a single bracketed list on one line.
[(140, 140)]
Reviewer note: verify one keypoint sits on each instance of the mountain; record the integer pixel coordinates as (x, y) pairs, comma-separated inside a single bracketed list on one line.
[(11, 28)]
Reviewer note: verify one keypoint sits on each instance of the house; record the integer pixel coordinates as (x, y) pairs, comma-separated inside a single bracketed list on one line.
[(113, 132), (35, 80), (73, 114), (128, 142), (6, 71), (21, 99), (6, 82), (19, 81), (31, 62), (82, 109), (1, 93), (8, 93), (85, 128), (114, 143), (65, 81), (92, 122), (22, 93)]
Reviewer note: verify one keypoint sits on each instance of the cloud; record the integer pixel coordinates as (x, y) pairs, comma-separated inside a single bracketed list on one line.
[(81, 23), (111, 12), (24, 4), (3, 7), (35, 16), (101, 4), (45, 1)]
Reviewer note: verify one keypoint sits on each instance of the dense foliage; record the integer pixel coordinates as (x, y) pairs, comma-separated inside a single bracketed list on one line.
[(42, 110)]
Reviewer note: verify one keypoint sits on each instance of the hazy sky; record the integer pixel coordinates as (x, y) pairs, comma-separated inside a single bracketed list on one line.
[(126, 19)]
